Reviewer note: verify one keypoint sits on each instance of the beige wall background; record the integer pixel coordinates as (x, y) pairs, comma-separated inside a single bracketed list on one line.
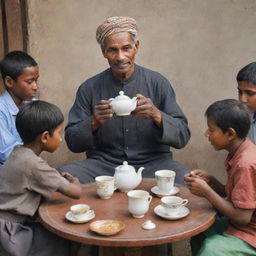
[(198, 45)]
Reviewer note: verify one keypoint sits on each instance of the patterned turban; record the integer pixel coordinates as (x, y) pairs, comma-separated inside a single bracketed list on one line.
[(114, 25)]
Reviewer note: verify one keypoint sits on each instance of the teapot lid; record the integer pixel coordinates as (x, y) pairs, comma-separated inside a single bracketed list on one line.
[(125, 166), (121, 96)]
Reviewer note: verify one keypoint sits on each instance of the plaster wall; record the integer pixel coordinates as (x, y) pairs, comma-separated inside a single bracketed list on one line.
[(198, 45)]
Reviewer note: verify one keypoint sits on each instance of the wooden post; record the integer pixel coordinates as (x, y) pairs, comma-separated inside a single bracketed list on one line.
[(14, 25)]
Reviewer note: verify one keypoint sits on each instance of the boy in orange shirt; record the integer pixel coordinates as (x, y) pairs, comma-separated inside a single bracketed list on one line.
[(234, 234)]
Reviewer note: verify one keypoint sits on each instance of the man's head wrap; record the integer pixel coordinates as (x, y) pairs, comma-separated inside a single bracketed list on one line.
[(115, 25)]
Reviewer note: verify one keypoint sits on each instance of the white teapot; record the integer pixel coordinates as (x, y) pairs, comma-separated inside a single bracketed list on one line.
[(126, 177), (122, 105)]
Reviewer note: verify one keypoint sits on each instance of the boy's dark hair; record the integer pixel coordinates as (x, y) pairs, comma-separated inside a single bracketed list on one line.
[(230, 113), (247, 73), (37, 117), (14, 62)]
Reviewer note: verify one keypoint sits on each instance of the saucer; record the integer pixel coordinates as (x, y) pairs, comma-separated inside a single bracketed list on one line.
[(155, 190), (84, 218), (159, 210)]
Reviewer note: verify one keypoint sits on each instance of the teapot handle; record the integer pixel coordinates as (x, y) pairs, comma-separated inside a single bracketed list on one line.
[(111, 99), (115, 187)]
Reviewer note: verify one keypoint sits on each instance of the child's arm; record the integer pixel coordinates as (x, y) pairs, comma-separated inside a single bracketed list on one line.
[(74, 189), (238, 216), (217, 186)]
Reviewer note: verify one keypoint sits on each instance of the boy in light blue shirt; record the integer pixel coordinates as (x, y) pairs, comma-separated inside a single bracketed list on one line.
[(20, 73), (246, 80)]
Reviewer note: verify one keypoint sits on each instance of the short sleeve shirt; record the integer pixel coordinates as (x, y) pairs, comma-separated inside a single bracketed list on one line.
[(24, 179), (241, 189), (9, 137)]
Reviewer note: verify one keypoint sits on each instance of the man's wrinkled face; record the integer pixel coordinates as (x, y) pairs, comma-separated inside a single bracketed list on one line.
[(120, 50)]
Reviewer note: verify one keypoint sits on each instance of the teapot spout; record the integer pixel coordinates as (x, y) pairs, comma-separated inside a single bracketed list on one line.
[(140, 171)]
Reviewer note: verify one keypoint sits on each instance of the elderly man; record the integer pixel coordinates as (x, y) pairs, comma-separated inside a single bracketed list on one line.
[(143, 138)]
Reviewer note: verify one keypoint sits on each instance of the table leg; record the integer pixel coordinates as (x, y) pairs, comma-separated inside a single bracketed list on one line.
[(129, 251), (169, 246)]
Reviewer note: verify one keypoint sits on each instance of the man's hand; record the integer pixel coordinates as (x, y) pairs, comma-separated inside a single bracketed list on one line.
[(102, 112), (70, 178), (145, 108)]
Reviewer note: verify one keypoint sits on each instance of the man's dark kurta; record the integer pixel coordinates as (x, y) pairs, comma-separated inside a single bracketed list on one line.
[(136, 140)]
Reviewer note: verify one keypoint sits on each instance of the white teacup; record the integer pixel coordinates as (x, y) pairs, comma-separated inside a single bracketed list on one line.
[(172, 204), (138, 202), (78, 210), (105, 186), (165, 180)]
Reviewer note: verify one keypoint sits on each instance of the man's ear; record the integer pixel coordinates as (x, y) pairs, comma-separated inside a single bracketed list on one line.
[(137, 45), (231, 133), (44, 137), (103, 51), (8, 82)]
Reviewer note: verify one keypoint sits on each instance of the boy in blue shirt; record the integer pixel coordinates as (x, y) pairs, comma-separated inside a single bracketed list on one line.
[(20, 74), (246, 79), (233, 234)]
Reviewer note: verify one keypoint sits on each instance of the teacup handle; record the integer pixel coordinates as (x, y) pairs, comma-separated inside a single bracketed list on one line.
[(185, 201), (90, 212), (149, 199), (115, 187)]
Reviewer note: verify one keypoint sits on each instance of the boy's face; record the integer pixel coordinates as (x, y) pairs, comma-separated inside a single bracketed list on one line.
[(54, 140), (215, 135), (25, 87), (247, 94)]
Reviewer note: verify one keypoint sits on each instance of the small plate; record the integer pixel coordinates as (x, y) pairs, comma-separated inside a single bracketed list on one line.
[(107, 227), (85, 218), (155, 190), (159, 210)]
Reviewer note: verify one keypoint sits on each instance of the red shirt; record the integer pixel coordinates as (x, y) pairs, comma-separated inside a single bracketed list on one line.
[(241, 188)]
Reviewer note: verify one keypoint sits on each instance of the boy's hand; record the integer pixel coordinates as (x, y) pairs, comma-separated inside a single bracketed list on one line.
[(197, 185), (70, 178), (197, 173)]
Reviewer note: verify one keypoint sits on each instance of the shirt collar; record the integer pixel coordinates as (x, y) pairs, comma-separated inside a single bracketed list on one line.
[(10, 103), (253, 118), (230, 160), (131, 78)]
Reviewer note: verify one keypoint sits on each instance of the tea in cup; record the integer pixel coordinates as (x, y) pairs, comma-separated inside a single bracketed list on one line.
[(165, 180), (138, 202), (78, 210), (173, 204), (105, 186)]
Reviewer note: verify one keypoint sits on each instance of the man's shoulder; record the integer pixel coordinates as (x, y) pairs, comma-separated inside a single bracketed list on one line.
[(149, 72), (152, 75), (95, 79)]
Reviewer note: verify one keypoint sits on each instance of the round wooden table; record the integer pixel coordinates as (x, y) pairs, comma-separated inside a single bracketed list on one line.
[(52, 214)]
